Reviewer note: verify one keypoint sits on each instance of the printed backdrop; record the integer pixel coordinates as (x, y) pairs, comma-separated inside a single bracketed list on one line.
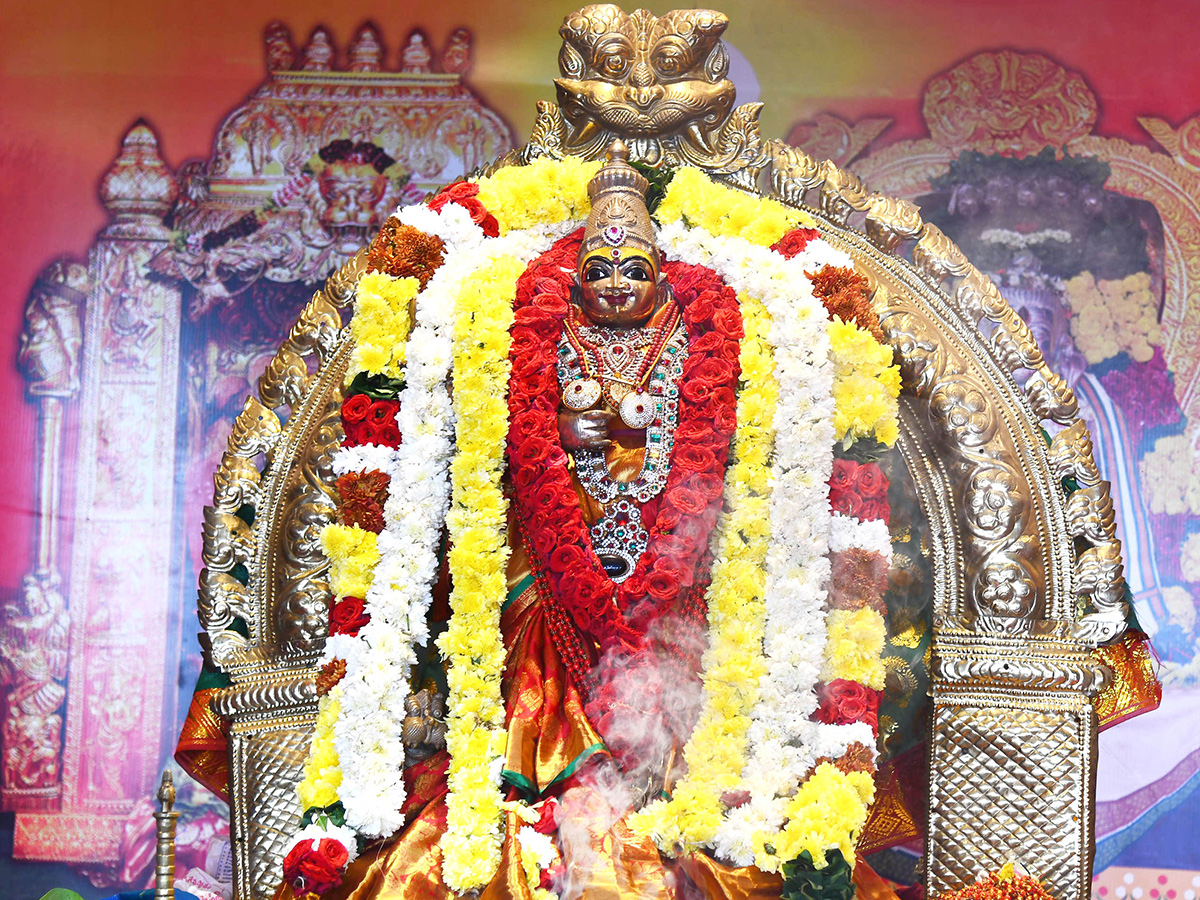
[(175, 180)]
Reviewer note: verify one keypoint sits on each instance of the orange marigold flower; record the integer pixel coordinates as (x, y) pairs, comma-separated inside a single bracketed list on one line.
[(847, 295), (362, 495), (405, 252), (1005, 885), (858, 578), (331, 673)]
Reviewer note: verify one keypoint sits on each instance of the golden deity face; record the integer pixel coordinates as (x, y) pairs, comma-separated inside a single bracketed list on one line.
[(618, 286), (641, 76)]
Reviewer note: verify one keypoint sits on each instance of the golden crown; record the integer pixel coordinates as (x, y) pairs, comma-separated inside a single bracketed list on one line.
[(619, 217)]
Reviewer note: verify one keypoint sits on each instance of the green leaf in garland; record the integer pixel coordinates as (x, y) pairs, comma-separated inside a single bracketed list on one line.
[(336, 814), (377, 387), (802, 880), (659, 179), (861, 450)]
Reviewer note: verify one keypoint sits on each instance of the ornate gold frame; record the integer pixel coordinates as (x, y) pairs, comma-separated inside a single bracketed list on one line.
[(1018, 610)]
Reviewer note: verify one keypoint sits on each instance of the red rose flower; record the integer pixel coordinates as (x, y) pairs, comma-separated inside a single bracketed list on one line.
[(354, 419), (531, 451), (315, 866), (844, 702), (661, 585), (463, 194), (874, 508), (694, 457), (565, 557), (386, 435), (795, 241), (687, 500), (848, 503), (347, 616), (546, 821), (379, 426), (710, 485), (843, 476), (870, 481), (729, 323)]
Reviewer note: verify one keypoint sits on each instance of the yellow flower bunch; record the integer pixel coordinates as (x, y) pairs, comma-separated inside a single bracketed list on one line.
[(854, 646), (725, 211), (322, 774), (1108, 317), (1189, 558), (381, 323), (866, 385), (827, 813), (478, 558), (353, 554), (544, 192), (734, 661), (1171, 477)]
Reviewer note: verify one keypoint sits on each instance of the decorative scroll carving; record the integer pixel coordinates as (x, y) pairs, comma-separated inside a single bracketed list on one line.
[(1183, 143), (1008, 102), (659, 83), (829, 137), (33, 651)]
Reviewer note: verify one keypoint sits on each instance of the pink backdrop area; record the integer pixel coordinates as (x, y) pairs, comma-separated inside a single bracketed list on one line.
[(75, 77)]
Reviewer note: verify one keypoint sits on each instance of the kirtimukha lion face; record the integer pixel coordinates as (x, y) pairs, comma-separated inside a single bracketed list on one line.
[(642, 76)]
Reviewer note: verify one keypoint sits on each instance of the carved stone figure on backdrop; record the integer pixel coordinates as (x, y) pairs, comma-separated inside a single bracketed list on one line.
[(366, 53), (53, 336), (416, 57), (456, 60), (33, 656), (318, 55), (660, 83), (277, 44)]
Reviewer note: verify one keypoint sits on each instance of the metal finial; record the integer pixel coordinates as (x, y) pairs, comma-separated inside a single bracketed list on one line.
[(166, 817)]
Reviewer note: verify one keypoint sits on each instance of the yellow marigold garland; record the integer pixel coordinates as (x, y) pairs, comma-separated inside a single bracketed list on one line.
[(478, 557), (544, 192), (827, 812), (734, 661), (854, 647), (381, 323), (866, 385), (720, 210), (322, 773), (353, 554)]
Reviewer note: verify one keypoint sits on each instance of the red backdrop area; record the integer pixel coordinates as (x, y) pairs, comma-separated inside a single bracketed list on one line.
[(75, 76)]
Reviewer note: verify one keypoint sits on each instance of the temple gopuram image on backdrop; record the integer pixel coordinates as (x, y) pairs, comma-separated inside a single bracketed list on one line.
[(640, 507)]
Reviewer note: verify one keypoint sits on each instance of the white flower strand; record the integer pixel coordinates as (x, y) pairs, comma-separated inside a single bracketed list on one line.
[(367, 734), (784, 743)]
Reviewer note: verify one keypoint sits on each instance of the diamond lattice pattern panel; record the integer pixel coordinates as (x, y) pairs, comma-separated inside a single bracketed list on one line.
[(1007, 782), (274, 762)]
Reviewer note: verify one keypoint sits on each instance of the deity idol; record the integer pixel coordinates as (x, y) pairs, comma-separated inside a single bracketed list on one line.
[(621, 410)]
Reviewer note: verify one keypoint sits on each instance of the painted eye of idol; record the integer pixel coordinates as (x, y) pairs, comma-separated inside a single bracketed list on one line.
[(634, 268)]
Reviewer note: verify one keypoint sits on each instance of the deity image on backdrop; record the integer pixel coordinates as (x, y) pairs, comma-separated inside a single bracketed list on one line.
[(617, 603)]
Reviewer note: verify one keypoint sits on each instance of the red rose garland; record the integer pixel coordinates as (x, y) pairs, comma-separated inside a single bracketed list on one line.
[(367, 421), (315, 865), (859, 490), (859, 579), (463, 193), (618, 616)]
